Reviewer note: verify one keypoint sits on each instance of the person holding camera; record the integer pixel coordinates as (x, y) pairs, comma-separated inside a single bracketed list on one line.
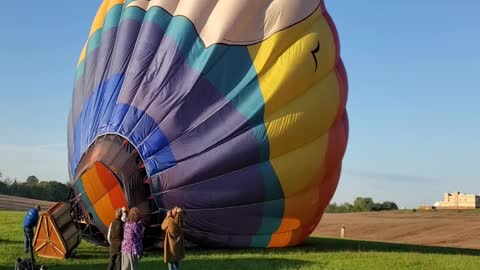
[(174, 250)]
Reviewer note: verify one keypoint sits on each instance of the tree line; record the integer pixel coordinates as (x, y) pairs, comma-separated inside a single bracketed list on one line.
[(361, 205), (33, 188)]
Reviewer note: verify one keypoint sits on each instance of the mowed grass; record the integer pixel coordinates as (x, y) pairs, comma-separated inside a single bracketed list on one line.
[(316, 253)]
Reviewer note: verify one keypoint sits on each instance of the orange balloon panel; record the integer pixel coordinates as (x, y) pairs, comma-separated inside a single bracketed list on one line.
[(102, 194)]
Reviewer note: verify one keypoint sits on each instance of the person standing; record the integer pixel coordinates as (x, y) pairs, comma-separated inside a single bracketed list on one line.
[(173, 245), (124, 214), (29, 223), (132, 247), (115, 237)]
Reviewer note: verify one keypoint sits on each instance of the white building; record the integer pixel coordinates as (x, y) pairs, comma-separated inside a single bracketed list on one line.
[(458, 200)]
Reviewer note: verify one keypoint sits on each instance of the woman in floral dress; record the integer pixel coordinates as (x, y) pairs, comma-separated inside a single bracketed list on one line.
[(132, 241)]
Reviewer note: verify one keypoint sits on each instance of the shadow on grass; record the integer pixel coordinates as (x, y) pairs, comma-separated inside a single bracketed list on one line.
[(212, 263), (237, 263), (318, 244), (335, 245), (275, 258), (8, 241), (88, 256)]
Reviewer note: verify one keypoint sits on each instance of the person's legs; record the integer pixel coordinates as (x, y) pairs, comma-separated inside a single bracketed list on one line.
[(173, 266), (125, 262), (135, 262), (25, 241), (118, 261), (29, 243), (112, 259), (28, 234), (129, 262)]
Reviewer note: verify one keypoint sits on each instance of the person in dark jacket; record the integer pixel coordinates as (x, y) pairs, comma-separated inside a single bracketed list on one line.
[(115, 237), (173, 246), (29, 223)]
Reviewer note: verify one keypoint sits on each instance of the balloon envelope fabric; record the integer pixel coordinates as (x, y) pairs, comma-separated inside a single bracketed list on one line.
[(232, 110)]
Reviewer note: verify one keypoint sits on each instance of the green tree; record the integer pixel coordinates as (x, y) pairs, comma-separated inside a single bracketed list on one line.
[(331, 208), (26, 190), (3, 188), (363, 204), (377, 207), (345, 208), (54, 191), (14, 188), (8, 181), (389, 206), (32, 180)]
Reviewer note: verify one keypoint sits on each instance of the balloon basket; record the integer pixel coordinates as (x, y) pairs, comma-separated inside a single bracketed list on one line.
[(57, 235)]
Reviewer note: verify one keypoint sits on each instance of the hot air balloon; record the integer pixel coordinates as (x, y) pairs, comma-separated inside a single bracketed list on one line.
[(232, 110)]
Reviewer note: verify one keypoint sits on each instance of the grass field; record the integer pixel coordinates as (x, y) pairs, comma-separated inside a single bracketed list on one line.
[(316, 253)]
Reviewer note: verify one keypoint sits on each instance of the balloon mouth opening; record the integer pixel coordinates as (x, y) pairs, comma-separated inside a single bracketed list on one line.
[(111, 175)]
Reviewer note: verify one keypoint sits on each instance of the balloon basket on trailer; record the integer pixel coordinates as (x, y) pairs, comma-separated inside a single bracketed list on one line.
[(57, 236)]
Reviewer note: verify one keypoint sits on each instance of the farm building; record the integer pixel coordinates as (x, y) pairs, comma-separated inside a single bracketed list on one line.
[(458, 200)]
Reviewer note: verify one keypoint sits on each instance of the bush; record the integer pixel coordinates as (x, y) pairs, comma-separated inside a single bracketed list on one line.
[(361, 205)]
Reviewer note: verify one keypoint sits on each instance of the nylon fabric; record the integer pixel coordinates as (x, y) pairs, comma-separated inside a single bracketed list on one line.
[(240, 121)]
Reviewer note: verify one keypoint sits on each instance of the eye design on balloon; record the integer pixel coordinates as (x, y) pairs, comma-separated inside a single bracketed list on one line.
[(314, 52)]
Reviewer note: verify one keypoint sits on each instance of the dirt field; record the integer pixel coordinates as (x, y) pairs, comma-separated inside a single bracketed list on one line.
[(21, 204), (440, 228)]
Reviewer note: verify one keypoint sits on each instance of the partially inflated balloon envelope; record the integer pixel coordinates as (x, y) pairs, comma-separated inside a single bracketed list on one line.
[(232, 110)]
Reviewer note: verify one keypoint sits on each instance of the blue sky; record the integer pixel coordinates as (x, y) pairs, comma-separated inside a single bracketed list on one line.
[(414, 82)]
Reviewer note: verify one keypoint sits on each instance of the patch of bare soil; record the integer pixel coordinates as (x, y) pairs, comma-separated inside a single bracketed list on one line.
[(436, 228), (21, 204)]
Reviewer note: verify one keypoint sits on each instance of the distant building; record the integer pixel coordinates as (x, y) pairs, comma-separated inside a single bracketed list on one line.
[(458, 200), (425, 207)]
